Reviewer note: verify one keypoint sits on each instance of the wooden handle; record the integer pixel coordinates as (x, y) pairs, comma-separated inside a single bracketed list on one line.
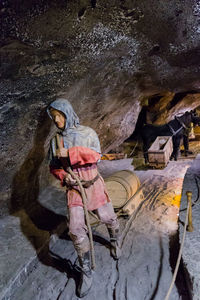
[(189, 199), (58, 141), (189, 194)]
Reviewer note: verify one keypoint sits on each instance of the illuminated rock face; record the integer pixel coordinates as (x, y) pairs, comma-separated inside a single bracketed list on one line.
[(106, 57)]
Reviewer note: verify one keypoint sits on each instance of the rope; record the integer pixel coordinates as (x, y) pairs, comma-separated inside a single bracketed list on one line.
[(133, 149), (84, 199), (179, 256)]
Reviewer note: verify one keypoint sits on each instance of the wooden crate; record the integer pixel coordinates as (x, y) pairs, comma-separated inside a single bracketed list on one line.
[(160, 151)]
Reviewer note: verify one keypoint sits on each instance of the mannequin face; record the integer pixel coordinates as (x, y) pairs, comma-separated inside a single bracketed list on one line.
[(58, 118)]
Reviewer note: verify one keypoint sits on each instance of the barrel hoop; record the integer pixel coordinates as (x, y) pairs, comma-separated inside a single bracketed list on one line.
[(130, 172)]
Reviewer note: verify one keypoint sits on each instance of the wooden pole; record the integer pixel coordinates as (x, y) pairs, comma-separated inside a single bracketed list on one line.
[(190, 227), (191, 134), (58, 141)]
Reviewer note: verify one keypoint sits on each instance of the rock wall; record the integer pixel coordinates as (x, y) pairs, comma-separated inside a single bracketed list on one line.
[(106, 57)]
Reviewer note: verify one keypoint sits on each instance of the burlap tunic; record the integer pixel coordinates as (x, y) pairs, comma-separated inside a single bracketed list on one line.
[(83, 162)]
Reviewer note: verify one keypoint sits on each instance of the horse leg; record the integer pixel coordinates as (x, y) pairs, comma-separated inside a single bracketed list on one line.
[(173, 152), (172, 155), (176, 146), (145, 152), (186, 145)]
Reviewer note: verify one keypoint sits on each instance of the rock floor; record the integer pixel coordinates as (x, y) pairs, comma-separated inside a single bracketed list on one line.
[(191, 256), (143, 271)]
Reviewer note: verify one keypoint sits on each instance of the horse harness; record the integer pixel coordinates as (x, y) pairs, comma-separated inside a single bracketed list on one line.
[(177, 131)]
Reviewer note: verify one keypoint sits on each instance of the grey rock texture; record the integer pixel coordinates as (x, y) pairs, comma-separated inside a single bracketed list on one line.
[(192, 240), (143, 271), (105, 57), (108, 58)]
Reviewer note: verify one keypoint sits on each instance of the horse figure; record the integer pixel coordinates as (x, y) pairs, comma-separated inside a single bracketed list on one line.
[(178, 128)]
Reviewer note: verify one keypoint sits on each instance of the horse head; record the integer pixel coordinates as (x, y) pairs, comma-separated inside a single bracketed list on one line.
[(195, 118)]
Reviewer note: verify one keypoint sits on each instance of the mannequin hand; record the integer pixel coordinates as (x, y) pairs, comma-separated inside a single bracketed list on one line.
[(69, 180), (62, 152)]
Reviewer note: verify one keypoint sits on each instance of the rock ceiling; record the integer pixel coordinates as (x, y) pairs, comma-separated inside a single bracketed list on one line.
[(107, 57)]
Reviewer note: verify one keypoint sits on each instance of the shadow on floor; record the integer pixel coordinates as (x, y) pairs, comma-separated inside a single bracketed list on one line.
[(37, 222)]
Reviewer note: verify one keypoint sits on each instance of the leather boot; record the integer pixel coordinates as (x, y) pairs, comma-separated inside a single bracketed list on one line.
[(115, 249), (86, 275)]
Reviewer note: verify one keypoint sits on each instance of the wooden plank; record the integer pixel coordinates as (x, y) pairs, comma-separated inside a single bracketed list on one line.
[(113, 156)]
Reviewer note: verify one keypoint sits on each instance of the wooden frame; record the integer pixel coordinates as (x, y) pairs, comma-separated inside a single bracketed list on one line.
[(160, 151)]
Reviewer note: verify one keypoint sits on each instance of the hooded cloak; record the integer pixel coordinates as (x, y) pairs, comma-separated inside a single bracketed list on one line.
[(74, 134), (77, 139)]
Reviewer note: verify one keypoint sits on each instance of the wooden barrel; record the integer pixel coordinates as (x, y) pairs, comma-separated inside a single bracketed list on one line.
[(121, 186)]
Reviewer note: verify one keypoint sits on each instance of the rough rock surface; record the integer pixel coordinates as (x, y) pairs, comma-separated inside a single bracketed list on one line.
[(192, 239), (144, 270), (106, 57)]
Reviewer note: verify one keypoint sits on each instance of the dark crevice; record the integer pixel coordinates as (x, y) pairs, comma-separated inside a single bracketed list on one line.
[(130, 14), (93, 3), (184, 32), (192, 92), (160, 270), (155, 50), (154, 99), (178, 12), (81, 12), (177, 97), (182, 282), (115, 285)]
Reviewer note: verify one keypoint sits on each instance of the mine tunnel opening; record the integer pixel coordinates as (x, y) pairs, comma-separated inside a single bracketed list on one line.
[(149, 114), (133, 145), (178, 97)]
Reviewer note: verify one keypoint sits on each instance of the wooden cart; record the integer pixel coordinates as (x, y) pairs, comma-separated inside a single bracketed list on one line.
[(160, 151)]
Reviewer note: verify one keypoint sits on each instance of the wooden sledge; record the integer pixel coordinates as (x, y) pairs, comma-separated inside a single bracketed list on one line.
[(125, 191), (122, 188)]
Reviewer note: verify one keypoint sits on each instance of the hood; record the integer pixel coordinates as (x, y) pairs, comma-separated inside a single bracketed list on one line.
[(75, 134), (63, 105)]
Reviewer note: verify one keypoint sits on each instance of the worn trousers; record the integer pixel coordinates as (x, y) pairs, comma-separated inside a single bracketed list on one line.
[(78, 229)]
